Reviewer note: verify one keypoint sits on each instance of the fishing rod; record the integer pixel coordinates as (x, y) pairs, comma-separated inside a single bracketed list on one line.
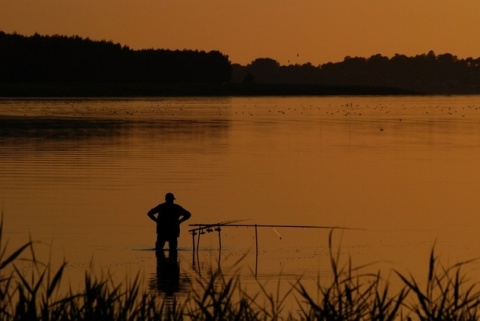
[(211, 226), (202, 228), (208, 228), (285, 226)]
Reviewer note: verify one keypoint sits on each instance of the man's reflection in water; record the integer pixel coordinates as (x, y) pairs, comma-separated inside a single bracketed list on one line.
[(168, 280)]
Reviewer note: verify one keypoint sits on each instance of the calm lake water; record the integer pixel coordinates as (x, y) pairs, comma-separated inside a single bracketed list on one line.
[(79, 176)]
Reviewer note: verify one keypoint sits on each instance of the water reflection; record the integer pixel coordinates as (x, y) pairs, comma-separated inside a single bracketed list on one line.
[(100, 151), (43, 129), (168, 279), (40, 128)]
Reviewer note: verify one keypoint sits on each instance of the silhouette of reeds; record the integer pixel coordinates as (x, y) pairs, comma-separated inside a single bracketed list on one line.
[(351, 293), (448, 294)]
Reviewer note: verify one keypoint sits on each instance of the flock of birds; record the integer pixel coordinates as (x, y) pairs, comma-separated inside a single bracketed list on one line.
[(231, 110)]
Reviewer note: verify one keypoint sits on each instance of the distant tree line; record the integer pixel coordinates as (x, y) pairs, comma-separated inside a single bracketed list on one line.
[(61, 59), (426, 73), (53, 65)]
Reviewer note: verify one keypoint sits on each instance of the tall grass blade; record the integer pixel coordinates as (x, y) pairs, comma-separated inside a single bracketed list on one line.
[(56, 280), (14, 255)]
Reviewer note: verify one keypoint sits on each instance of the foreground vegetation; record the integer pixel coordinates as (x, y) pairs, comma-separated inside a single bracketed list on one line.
[(34, 294)]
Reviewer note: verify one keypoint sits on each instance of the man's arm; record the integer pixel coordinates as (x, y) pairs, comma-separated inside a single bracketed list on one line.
[(184, 216), (152, 213)]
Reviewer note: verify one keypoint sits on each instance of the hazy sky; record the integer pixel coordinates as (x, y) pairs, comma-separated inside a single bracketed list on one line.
[(290, 31)]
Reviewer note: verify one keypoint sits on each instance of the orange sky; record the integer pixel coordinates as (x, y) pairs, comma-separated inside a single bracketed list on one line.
[(290, 31)]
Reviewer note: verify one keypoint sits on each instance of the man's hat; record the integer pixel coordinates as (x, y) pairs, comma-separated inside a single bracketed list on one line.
[(169, 196)]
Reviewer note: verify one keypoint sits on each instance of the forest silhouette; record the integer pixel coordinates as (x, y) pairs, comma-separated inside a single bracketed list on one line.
[(425, 73), (72, 62), (73, 66)]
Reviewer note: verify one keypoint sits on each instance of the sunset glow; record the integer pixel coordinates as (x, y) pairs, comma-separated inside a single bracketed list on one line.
[(292, 32)]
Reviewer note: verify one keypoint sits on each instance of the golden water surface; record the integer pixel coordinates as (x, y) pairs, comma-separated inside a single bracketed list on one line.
[(78, 176)]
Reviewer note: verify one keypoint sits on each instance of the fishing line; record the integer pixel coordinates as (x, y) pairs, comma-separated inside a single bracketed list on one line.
[(277, 232)]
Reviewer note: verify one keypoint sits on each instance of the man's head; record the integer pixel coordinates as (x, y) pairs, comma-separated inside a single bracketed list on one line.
[(169, 197)]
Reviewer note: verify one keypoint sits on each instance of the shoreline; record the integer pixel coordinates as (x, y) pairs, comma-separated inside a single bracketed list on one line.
[(49, 90)]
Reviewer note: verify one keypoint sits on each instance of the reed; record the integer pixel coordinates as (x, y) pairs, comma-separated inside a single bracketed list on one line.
[(448, 293), (351, 293)]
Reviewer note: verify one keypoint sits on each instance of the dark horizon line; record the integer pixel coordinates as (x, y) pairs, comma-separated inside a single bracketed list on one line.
[(216, 50)]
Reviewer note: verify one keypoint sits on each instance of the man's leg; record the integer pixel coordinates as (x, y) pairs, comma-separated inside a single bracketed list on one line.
[(160, 242), (172, 244)]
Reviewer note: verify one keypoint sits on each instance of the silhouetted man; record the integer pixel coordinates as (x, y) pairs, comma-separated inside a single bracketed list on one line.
[(168, 221)]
